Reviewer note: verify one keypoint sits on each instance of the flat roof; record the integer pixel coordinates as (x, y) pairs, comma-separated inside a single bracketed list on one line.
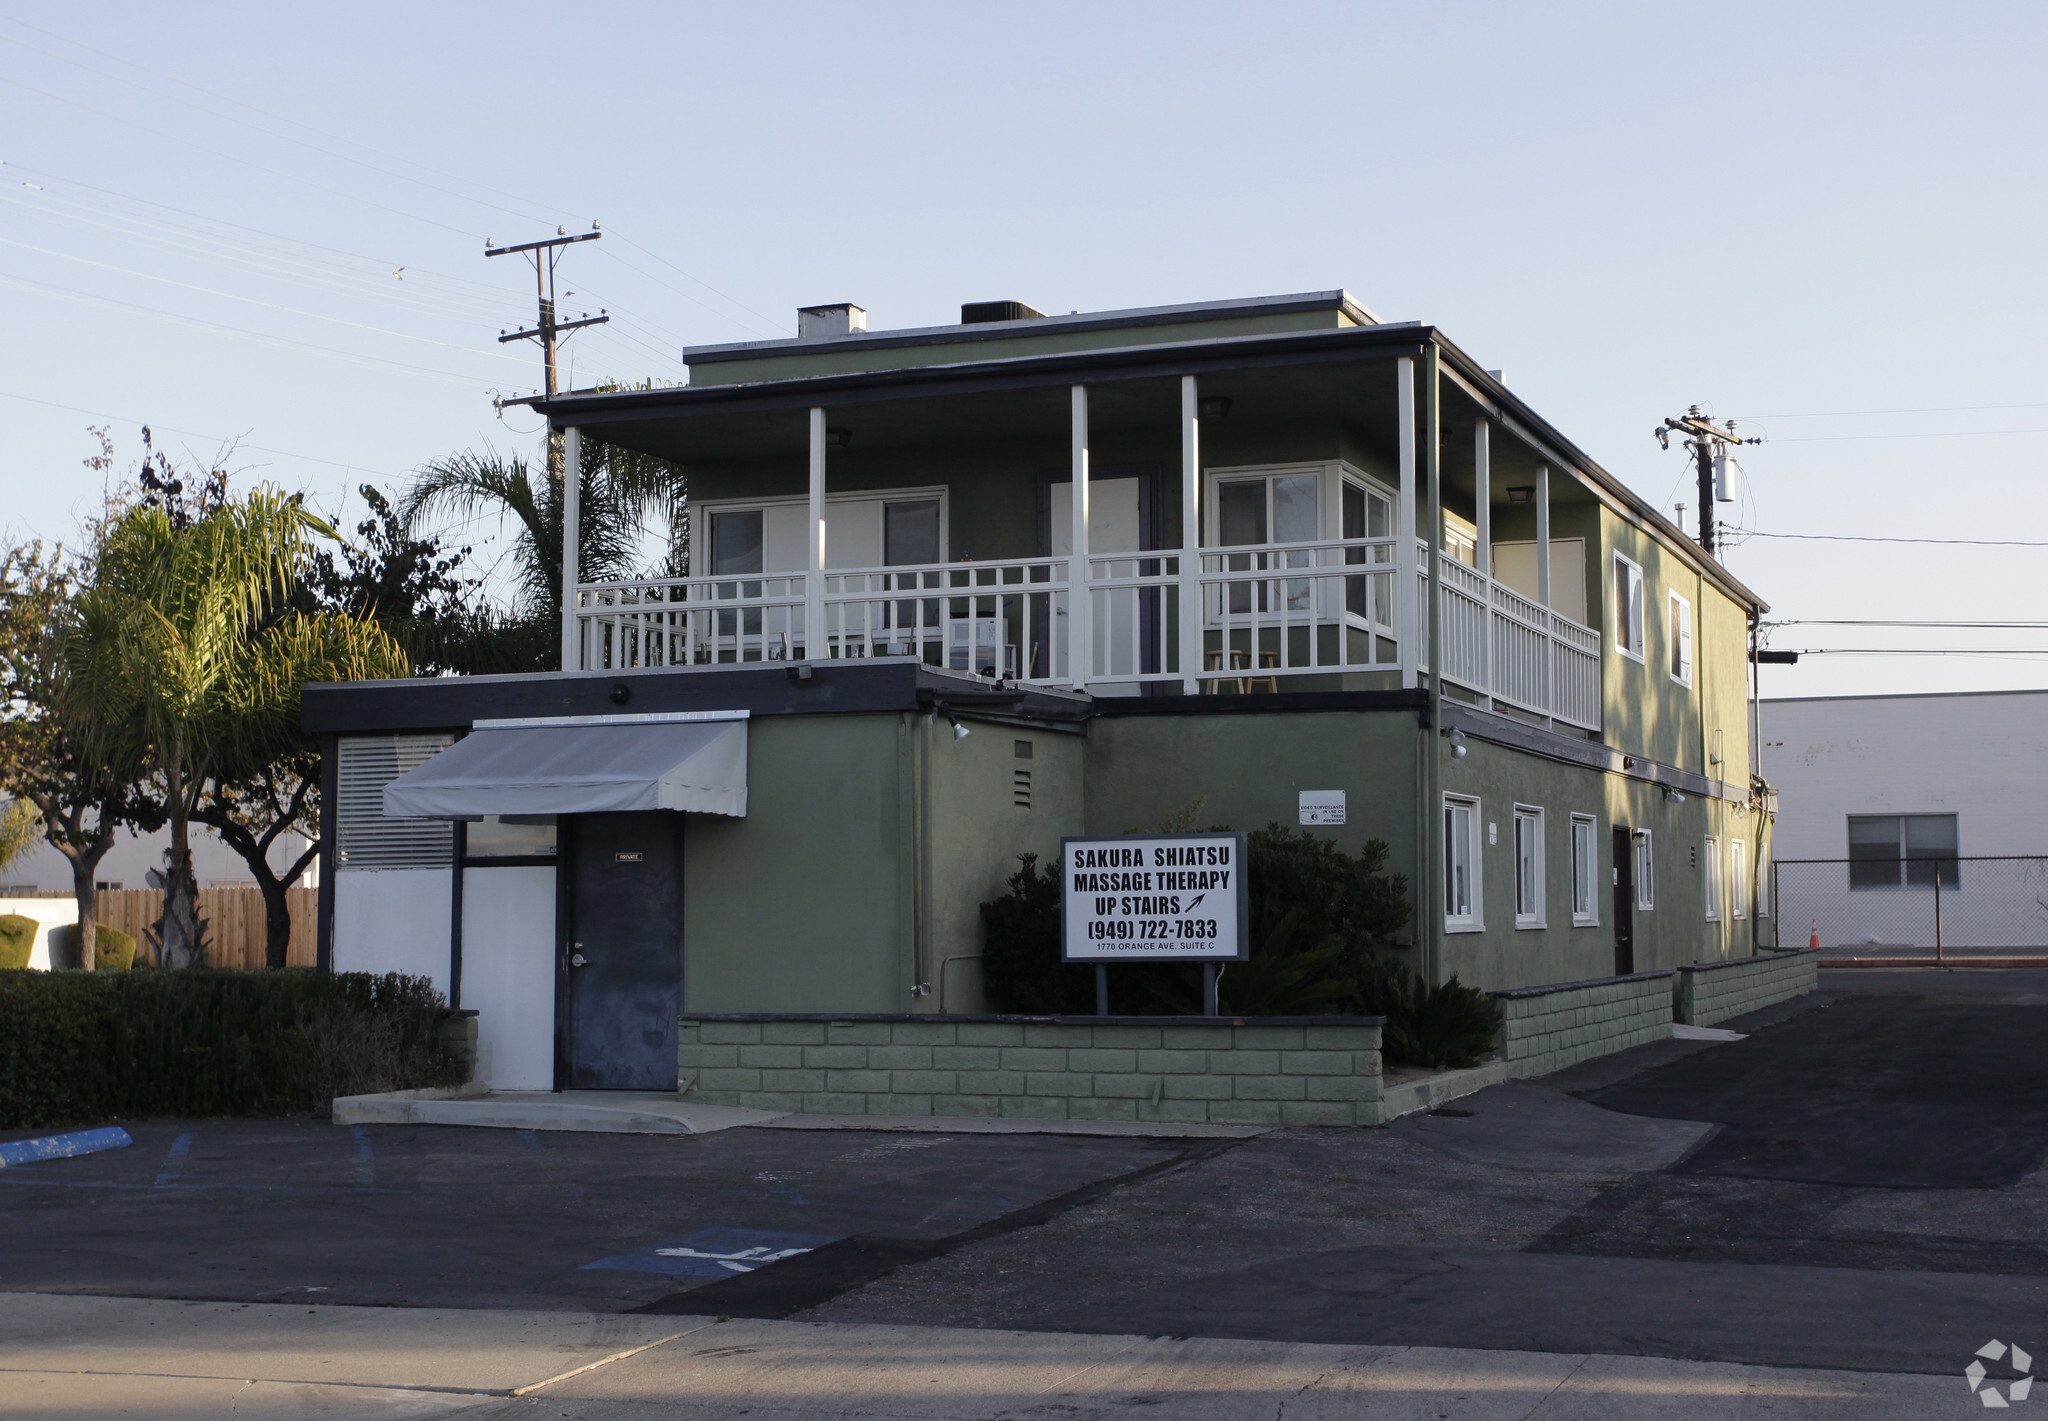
[(1135, 316)]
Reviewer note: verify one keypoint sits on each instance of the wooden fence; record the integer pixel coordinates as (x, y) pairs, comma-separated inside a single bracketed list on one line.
[(235, 932)]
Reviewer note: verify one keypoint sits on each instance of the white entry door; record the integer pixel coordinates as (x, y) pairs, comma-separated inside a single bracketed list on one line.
[(1114, 526)]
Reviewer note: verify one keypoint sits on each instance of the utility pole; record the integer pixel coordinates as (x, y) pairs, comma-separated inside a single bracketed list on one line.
[(1706, 440), (547, 330)]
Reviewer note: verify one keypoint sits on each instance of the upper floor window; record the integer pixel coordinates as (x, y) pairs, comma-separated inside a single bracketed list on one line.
[(736, 543), (1628, 607), (1679, 632), (1903, 851), (767, 537), (1278, 508)]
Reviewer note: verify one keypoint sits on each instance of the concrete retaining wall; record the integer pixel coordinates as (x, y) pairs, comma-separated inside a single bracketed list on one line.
[(1549, 1028), (1708, 992), (1226, 1071)]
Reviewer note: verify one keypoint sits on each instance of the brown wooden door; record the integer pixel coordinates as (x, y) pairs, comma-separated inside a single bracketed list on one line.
[(1624, 902)]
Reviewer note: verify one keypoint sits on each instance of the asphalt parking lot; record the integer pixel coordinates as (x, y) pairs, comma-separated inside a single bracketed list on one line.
[(1857, 1184)]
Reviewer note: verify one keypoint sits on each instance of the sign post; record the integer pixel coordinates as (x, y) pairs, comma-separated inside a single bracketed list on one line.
[(1155, 898)]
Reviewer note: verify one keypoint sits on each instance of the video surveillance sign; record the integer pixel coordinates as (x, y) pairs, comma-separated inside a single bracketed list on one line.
[(1155, 898)]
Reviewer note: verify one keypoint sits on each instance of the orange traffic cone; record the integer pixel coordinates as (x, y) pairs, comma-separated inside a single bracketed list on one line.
[(1814, 941)]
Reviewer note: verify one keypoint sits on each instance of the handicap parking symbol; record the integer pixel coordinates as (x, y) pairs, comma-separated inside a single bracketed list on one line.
[(716, 1253)]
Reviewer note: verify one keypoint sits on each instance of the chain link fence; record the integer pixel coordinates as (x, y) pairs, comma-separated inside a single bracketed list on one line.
[(1914, 907)]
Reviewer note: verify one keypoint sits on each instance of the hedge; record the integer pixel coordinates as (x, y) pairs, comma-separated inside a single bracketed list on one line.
[(17, 939), (87, 1047)]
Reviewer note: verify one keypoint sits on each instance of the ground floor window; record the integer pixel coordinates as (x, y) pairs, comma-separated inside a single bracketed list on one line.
[(1738, 877), (1763, 881), (1712, 865), (1461, 864), (1646, 878), (1528, 867), (1585, 872)]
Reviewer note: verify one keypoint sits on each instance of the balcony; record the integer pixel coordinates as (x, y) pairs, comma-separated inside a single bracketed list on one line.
[(1271, 613)]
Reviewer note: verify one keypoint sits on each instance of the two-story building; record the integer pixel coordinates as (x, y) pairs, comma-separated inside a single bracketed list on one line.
[(956, 592)]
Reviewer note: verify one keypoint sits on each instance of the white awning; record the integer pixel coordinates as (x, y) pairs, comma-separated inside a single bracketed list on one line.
[(600, 764)]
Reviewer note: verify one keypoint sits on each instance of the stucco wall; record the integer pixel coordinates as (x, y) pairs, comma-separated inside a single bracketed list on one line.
[(394, 920), (1277, 1071)]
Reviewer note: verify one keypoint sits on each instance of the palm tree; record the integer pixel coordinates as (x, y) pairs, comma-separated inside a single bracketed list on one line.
[(166, 663), (622, 494)]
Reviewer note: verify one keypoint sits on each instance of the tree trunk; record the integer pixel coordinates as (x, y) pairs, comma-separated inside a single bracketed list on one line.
[(277, 922), (180, 930), (82, 869)]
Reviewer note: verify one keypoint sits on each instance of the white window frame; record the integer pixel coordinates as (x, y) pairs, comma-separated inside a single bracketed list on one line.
[(1738, 878), (1633, 596), (1644, 869), (1763, 879), (1585, 845), (700, 531), (1712, 887), (1473, 919), (1681, 648), (1529, 906), (1333, 474)]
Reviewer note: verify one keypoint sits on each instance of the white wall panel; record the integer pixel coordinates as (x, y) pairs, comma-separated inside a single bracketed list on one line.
[(393, 920), (508, 973)]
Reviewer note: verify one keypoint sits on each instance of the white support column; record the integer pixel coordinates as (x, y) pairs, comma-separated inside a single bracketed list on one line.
[(1080, 603), (1482, 510), (817, 645), (1543, 585), (1190, 538), (572, 560), (1407, 625)]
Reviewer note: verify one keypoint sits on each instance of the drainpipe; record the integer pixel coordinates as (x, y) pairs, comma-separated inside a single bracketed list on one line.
[(1432, 495)]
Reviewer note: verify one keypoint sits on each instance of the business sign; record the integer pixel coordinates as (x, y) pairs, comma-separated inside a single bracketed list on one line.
[(1154, 898)]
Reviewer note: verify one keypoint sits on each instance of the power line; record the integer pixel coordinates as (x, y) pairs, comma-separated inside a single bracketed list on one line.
[(1871, 538), (1826, 622), (1924, 409), (196, 434), (1933, 434), (2041, 651)]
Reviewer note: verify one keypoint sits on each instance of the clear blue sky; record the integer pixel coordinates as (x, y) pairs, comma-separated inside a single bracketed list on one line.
[(1781, 212)]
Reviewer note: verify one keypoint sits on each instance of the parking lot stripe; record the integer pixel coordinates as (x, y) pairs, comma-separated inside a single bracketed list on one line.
[(174, 1161)]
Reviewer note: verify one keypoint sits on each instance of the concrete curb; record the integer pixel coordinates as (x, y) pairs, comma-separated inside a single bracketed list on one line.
[(593, 1112), (1431, 1091)]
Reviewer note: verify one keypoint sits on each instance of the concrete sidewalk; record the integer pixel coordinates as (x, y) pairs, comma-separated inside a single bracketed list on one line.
[(69, 1356)]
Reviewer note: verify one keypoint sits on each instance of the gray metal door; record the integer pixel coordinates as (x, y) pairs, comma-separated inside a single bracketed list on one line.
[(625, 951)]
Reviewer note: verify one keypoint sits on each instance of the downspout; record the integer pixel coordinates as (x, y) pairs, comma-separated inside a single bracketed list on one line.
[(1433, 794)]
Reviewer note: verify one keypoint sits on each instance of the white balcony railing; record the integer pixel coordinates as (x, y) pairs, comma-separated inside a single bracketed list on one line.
[(1268, 612)]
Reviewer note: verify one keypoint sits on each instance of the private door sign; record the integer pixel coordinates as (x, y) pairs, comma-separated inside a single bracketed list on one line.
[(1156, 898)]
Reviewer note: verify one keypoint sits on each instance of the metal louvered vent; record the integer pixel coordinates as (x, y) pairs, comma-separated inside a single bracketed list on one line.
[(1020, 789), (363, 836)]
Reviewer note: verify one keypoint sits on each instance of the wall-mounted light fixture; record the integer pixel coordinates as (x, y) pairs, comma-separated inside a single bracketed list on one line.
[(1674, 796), (1212, 406), (1457, 739), (960, 732), (838, 437), (1522, 493)]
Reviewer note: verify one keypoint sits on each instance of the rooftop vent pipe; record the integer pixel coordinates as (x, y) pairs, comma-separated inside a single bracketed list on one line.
[(818, 322), (975, 313)]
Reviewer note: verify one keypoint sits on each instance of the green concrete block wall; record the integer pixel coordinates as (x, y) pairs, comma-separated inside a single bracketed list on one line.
[(1716, 991), (1171, 1070), (1549, 1028)]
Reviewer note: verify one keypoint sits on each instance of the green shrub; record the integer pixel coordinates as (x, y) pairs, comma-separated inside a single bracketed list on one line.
[(112, 949), (1443, 1026), (81, 1048), (1020, 958), (17, 939)]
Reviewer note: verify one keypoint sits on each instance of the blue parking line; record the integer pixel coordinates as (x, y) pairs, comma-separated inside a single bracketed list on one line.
[(365, 1159), (77, 1142), (174, 1162)]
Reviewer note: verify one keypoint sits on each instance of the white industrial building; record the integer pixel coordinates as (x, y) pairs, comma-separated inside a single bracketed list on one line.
[(1890, 804)]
